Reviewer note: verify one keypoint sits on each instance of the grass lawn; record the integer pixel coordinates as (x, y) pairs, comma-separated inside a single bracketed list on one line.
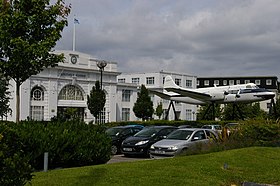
[(257, 164)]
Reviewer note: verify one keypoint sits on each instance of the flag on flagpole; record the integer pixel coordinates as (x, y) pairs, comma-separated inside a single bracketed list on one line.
[(76, 21)]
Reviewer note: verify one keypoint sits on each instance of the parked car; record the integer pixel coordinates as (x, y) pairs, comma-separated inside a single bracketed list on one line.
[(217, 128), (140, 143), (120, 133), (181, 141)]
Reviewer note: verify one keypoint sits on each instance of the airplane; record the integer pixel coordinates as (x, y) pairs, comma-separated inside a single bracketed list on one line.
[(243, 93)]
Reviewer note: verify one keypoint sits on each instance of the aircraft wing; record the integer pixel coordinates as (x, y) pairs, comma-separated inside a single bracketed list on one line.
[(170, 85), (163, 95), (189, 93)]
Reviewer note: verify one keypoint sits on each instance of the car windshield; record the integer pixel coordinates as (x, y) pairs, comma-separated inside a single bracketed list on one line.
[(147, 132), (180, 135), (113, 131)]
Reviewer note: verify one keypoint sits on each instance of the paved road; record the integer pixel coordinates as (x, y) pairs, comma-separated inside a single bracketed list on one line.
[(121, 158)]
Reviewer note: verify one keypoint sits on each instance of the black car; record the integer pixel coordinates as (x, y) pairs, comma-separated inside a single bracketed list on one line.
[(120, 133), (140, 143)]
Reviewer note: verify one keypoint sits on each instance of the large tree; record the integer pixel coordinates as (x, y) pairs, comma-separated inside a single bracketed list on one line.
[(29, 30), (4, 97), (159, 110), (96, 100), (143, 108)]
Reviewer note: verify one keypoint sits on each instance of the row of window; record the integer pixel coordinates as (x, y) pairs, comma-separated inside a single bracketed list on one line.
[(151, 81), (236, 82)]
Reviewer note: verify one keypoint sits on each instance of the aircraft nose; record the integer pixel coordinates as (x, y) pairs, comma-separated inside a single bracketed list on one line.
[(267, 95)]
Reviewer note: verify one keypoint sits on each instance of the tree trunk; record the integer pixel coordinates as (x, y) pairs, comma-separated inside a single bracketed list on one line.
[(17, 101)]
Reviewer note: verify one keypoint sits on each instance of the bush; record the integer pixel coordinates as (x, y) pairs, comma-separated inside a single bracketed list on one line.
[(69, 144), (14, 166)]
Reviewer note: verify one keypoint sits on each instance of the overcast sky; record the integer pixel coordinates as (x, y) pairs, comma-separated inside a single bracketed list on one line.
[(197, 37)]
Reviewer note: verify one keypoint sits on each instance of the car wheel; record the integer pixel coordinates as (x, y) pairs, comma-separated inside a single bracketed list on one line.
[(114, 150)]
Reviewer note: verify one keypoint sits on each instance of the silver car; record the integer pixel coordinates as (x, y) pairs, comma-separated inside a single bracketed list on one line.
[(181, 141)]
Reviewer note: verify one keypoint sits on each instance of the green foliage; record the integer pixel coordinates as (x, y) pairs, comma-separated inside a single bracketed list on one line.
[(14, 166), (69, 144), (143, 108), (277, 108), (209, 115), (29, 31), (96, 100), (159, 110), (4, 97)]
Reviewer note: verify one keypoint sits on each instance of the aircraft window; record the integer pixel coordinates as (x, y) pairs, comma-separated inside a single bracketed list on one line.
[(244, 91), (233, 91)]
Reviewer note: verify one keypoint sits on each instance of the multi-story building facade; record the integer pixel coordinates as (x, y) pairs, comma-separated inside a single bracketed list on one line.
[(155, 81)]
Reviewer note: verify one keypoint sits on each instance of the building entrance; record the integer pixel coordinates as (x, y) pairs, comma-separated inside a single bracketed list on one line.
[(69, 113)]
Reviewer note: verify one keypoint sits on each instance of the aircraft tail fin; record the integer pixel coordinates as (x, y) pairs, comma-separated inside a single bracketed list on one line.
[(169, 83)]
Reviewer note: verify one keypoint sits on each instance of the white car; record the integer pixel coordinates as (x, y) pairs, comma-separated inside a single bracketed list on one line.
[(182, 140), (217, 128)]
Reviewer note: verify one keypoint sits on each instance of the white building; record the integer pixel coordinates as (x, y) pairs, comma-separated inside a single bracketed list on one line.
[(155, 81), (53, 91)]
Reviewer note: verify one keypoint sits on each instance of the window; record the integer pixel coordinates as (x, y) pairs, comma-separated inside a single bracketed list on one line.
[(122, 80), (37, 113), (231, 82), (135, 80), (126, 95), (197, 82), (189, 83), (224, 82), (189, 114), (163, 79), (247, 81), (37, 94), (150, 80), (257, 82), (178, 81), (199, 135), (125, 114), (206, 82), (268, 105), (70, 92), (238, 82), (268, 82), (102, 117), (216, 82)]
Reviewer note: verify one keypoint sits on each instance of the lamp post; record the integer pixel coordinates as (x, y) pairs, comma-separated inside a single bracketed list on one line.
[(101, 65)]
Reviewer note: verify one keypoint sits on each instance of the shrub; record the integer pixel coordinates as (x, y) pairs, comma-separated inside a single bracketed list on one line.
[(14, 166)]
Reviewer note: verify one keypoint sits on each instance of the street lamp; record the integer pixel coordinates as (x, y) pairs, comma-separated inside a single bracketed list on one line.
[(101, 65)]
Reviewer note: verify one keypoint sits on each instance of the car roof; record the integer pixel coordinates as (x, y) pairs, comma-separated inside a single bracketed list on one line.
[(194, 129)]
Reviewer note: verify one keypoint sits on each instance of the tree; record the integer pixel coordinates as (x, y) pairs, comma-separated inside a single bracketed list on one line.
[(159, 110), (28, 32), (202, 115), (143, 108), (4, 97), (96, 100)]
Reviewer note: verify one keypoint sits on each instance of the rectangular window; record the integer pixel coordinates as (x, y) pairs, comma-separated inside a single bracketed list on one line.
[(189, 83), (189, 114), (257, 82), (178, 81), (135, 81), (125, 114), (216, 82), (231, 82), (238, 82), (150, 80), (122, 80), (224, 82), (163, 79), (197, 82), (268, 82), (102, 117), (126, 95), (37, 113), (247, 81), (206, 82)]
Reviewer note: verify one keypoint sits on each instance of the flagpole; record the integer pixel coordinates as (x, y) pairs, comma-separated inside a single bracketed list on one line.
[(74, 34)]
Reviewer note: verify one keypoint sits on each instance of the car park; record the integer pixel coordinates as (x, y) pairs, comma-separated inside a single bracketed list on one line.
[(140, 143), (182, 141), (120, 133), (217, 128)]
